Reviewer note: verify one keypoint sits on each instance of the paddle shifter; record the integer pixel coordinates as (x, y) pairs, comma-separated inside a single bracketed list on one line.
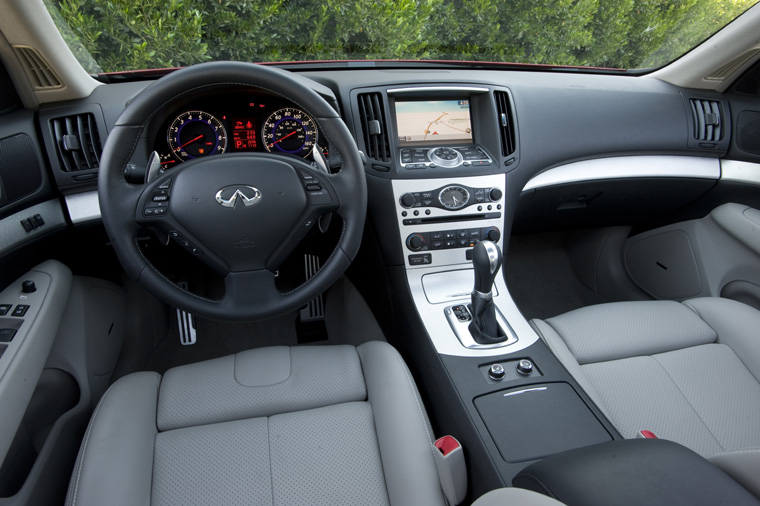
[(486, 260)]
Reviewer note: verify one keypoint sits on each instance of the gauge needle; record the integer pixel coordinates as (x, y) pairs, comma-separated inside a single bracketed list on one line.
[(283, 138), (456, 200), (192, 140)]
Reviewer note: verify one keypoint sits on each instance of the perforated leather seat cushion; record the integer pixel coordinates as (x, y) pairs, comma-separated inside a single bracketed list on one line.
[(313, 425), (686, 371)]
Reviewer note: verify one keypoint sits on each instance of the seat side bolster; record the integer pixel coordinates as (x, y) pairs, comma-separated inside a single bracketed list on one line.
[(743, 466), (115, 462), (736, 325), (403, 431), (557, 345)]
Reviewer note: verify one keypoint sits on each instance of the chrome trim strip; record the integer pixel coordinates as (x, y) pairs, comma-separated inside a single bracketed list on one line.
[(83, 206), (537, 389), (628, 167), (392, 91), (743, 172)]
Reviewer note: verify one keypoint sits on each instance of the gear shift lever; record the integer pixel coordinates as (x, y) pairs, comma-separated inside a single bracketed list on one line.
[(486, 261)]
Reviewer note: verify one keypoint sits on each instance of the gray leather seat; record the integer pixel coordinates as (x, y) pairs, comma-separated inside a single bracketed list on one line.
[(689, 372), (332, 425)]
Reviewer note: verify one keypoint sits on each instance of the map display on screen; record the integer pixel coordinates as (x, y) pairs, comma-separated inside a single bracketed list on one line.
[(433, 120)]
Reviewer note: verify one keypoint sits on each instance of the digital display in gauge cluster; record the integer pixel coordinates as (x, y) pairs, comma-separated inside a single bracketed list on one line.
[(236, 124)]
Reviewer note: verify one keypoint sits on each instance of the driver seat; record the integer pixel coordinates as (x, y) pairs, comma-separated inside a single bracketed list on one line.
[(320, 425)]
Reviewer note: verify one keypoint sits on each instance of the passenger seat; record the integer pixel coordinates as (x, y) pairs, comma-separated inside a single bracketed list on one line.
[(689, 372)]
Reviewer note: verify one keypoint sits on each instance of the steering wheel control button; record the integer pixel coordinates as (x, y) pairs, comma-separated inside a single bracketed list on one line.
[(157, 204), (4, 308), (6, 335), (496, 372), (424, 259), (20, 310), (525, 367)]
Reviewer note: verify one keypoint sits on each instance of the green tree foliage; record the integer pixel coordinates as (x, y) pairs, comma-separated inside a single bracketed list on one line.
[(138, 34)]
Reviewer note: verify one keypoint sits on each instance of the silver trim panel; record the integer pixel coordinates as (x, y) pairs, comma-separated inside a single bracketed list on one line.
[(442, 335), (462, 331), (83, 207), (453, 262), (628, 167), (742, 172), (414, 89), (12, 233)]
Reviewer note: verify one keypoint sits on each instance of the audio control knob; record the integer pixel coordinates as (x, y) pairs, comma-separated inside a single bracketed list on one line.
[(415, 242), (493, 234), (408, 200), (495, 194)]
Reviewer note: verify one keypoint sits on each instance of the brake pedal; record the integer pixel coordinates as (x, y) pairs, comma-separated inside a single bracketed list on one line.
[(310, 326), (186, 323)]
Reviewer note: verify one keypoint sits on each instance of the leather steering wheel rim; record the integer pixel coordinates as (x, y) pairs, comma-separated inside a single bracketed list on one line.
[(250, 294)]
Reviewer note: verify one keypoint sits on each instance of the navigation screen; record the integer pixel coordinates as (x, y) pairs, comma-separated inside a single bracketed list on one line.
[(435, 120)]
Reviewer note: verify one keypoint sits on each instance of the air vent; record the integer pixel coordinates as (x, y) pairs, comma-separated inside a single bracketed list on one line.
[(707, 120), (77, 142), (372, 116), (506, 122), (39, 72)]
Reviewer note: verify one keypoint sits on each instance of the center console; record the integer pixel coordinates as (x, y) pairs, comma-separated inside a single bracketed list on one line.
[(438, 165)]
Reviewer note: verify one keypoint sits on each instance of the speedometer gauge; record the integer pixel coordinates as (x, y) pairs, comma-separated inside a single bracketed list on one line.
[(193, 134), (291, 131)]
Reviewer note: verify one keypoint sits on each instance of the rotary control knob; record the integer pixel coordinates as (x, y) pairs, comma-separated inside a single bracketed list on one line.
[(495, 194), (415, 242), (493, 234), (497, 372), (525, 367), (408, 200), (28, 286)]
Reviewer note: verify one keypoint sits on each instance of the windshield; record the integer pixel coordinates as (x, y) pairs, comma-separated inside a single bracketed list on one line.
[(118, 35)]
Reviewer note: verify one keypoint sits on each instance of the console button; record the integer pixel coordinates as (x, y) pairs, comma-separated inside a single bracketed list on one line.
[(4, 308), (450, 234), (525, 367), (461, 234), (436, 236), (6, 335), (437, 244), (451, 244), (423, 259), (497, 372), (20, 310)]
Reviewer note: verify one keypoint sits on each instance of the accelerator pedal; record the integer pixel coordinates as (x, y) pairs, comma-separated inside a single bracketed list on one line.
[(186, 323), (310, 326)]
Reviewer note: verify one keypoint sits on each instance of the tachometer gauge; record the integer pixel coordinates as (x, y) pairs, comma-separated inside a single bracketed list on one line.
[(193, 134), (291, 131)]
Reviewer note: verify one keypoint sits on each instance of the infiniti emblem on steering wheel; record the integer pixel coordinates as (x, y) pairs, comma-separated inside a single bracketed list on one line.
[(229, 195)]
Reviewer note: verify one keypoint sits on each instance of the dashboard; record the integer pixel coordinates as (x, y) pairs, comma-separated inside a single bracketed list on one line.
[(232, 123)]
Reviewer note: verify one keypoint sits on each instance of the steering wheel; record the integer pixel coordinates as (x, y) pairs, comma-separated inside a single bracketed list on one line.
[(242, 213)]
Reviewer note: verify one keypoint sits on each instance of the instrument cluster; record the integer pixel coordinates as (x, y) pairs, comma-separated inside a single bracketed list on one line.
[(238, 122)]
